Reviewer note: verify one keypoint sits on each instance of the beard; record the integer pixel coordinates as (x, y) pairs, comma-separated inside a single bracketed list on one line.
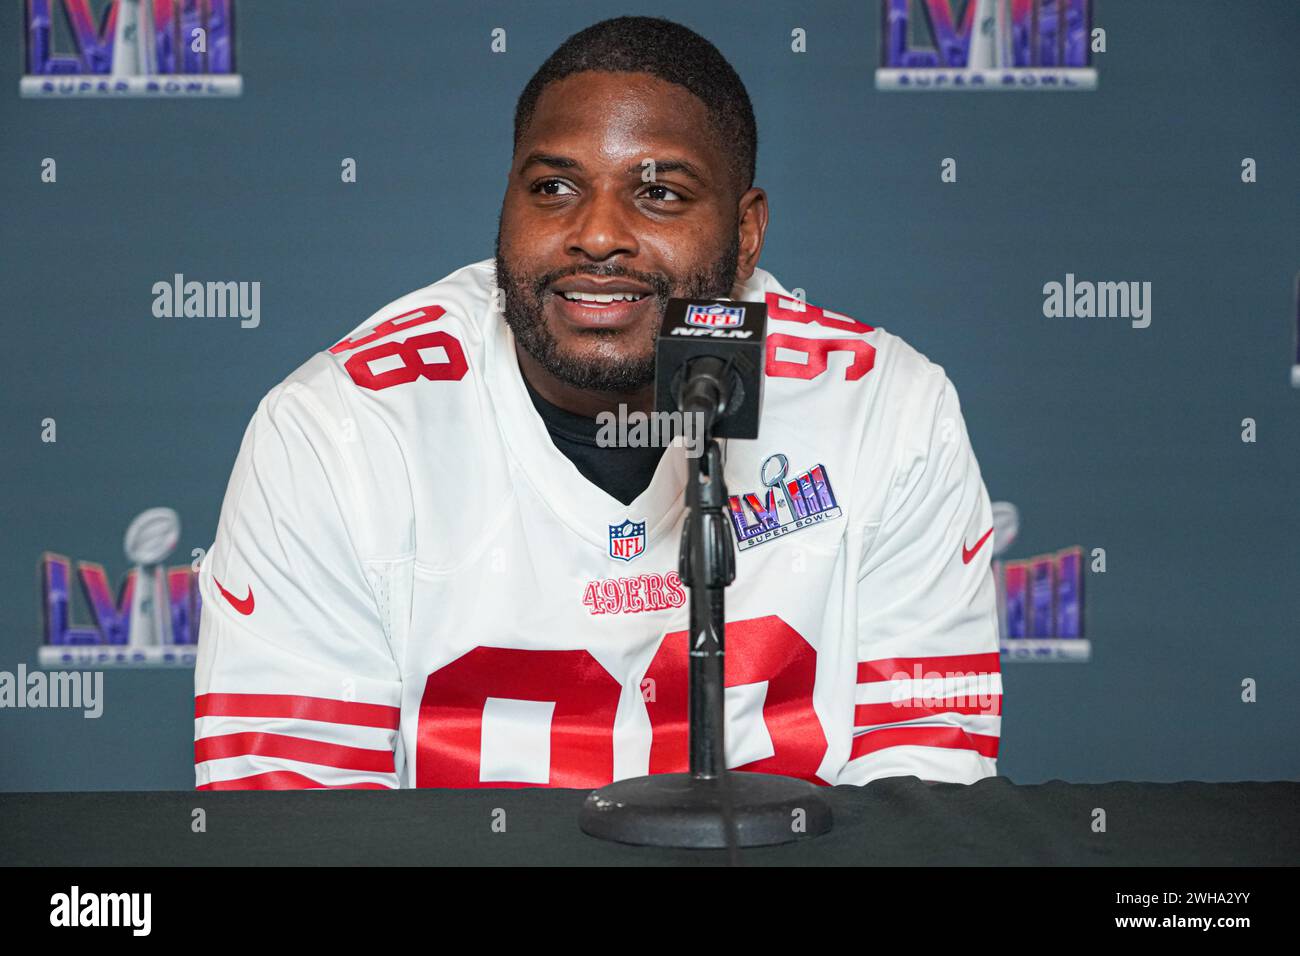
[(525, 297)]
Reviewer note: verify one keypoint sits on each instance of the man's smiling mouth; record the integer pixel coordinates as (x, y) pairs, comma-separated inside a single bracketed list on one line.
[(598, 298), (601, 302)]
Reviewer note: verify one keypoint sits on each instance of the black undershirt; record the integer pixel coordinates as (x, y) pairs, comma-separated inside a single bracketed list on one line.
[(623, 473)]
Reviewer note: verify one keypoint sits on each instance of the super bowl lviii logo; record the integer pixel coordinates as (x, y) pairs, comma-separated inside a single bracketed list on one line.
[(180, 48), (1040, 599), (988, 45), (153, 621), (790, 503)]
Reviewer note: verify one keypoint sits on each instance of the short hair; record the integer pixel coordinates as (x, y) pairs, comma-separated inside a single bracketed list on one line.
[(671, 52)]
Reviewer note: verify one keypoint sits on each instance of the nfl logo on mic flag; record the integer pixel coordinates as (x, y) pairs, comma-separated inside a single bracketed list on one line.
[(715, 316), (162, 48)]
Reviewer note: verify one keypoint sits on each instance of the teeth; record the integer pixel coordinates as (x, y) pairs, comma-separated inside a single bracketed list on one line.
[(602, 297)]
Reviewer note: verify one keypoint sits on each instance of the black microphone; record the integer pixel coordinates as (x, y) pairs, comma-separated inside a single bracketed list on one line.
[(710, 358), (709, 361)]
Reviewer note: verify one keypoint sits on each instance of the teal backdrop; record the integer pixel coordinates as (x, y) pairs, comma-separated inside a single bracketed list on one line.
[(1104, 435)]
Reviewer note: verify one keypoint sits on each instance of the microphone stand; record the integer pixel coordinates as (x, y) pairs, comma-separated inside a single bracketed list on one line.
[(710, 806)]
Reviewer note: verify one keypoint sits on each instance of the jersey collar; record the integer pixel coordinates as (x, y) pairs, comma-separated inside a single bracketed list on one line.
[(585, 508)]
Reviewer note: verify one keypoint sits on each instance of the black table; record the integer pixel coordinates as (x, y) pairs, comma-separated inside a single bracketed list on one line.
[(897, 821)]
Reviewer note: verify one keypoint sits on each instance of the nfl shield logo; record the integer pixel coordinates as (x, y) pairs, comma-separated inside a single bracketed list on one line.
[(715, 316), (626, 540)]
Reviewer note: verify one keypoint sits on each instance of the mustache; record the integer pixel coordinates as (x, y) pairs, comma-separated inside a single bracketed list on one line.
[(661, 284)]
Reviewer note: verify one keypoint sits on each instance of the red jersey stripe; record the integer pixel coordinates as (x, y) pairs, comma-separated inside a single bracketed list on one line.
[(891, 668), (293, 748), (865, 715), (324, 709), (285, 780), (951, 737)]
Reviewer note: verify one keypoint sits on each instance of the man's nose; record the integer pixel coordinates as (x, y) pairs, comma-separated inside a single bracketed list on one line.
[(602, 227)]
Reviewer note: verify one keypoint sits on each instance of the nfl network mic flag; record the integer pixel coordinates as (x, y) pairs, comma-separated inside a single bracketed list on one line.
[(731, 331)]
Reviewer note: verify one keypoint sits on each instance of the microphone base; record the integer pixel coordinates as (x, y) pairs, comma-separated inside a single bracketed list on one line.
[(682, 810)]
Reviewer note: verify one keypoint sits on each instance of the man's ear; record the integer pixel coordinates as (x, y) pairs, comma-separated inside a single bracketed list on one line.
[(751, 218)]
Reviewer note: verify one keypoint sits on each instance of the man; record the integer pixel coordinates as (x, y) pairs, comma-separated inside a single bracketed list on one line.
[(429, 570)]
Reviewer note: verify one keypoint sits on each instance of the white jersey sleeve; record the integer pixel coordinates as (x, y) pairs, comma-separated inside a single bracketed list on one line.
[(295, 683), (929, 693)]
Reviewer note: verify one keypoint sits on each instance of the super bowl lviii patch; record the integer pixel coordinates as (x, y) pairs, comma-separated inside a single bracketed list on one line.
[(790, 504)]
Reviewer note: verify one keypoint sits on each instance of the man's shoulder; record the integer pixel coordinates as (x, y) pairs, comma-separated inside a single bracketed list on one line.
[(821, 348), (433, 332), (429, 333), (458, 301), (863, 400)]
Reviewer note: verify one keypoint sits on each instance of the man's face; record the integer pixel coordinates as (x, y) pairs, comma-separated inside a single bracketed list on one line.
[(580, 223)]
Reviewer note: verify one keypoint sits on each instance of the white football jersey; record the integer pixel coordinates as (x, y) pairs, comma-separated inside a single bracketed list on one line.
[(411, 586)]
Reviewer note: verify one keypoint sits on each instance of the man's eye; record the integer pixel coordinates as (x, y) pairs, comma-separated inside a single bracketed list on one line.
[(661, 194), (552, 187)]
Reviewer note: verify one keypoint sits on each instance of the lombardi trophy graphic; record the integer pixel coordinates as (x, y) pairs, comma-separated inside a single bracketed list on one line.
[(990, 38), (1295, 366), (133, 40), (150, 539)]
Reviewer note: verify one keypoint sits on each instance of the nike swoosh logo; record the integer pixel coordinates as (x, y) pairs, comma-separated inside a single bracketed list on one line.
[(966, 553), (243, 607)]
